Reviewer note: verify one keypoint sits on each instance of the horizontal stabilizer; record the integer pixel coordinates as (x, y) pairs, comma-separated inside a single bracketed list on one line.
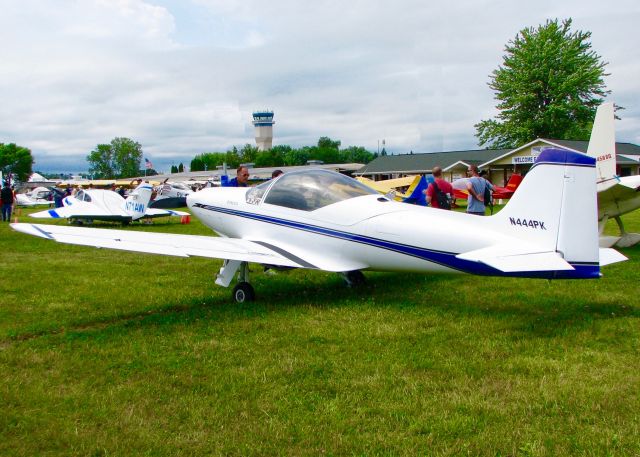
[(510, 259), (609, 256)]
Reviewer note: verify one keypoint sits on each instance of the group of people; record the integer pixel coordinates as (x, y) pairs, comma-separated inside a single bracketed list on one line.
[(476, 186)]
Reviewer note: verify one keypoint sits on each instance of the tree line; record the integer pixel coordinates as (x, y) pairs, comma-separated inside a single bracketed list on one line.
[(327, 150)]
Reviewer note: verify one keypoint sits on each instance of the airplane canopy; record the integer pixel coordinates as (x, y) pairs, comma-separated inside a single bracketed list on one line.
[(308, 190)]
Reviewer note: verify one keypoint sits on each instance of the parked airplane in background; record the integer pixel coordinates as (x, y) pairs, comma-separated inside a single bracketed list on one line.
[(419, 183), (616, 195), (107, 205), (319, 219), (38, 196), (499, 193), (171, 195)]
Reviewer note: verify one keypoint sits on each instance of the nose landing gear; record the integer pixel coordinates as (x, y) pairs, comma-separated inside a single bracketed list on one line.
[(243, 291)]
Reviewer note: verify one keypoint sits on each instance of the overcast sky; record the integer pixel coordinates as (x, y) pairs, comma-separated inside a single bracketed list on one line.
[(182, 77)]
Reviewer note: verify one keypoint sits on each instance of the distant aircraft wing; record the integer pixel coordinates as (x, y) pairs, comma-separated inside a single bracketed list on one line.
[(157, 212), (617, 192), (75, 211), (167, 244)]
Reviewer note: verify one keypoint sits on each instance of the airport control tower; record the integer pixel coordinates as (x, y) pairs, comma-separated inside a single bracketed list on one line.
[(263, 121)]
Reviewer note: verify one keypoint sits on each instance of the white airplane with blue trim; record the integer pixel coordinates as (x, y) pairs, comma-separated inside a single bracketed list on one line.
[(322, 220), (106, 205), (616, 195)]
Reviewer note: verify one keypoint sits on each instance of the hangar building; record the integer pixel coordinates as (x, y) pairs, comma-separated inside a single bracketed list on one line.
[(500, 163)]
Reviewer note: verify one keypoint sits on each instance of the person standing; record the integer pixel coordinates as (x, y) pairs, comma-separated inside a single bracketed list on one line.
[(242, 176), (442, 185), (6, 195), (475, 187)]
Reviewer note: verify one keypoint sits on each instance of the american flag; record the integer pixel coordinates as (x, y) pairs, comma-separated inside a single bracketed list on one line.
[(148, 164)]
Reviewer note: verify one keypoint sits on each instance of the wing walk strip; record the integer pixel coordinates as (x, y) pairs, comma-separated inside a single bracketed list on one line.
[(46, 234), (444, 258)]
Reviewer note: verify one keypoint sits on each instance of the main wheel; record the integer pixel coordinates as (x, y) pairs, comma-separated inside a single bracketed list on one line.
[(243, 292), (355, 278)]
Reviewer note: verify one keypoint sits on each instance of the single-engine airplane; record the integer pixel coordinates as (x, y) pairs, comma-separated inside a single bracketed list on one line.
[(319, 219), (171, 195), (107, 205), (38, 196), (616, 195)]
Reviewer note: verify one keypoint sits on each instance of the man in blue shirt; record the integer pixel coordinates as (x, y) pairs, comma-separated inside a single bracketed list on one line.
[(242, 176), (475, 187)]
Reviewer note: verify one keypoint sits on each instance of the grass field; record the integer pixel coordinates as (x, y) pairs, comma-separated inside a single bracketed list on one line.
[(114, 353)]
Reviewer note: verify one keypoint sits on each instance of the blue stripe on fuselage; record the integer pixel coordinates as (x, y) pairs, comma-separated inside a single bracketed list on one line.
[(447, 259)]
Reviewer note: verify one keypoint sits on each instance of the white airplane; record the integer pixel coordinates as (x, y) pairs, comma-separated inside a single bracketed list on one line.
[(319, 219), (171, 195), (38, 196), (107, 205), (616, 195)]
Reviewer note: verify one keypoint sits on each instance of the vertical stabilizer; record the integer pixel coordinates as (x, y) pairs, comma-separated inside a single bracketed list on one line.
[(602, 144), (555, 207), (137, 202)]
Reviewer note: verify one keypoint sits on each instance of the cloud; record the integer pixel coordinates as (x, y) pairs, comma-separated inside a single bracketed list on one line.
[(182, 77)]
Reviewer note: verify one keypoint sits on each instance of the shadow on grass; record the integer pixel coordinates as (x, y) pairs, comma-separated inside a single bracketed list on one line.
[(537, 308)]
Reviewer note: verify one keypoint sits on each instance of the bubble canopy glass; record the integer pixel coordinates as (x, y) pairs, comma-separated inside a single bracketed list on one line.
[(308, 190)]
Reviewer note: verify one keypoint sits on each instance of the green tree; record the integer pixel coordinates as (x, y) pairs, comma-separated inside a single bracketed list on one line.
[(180, 168), (248, 153), (101, 163), (355, 154), (328, 150), (119, 159), (15, 160), (548, 86)]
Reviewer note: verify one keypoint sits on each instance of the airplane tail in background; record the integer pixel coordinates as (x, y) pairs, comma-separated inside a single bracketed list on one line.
[(555, 208), (602, 144), (137, 202), (416, 190)]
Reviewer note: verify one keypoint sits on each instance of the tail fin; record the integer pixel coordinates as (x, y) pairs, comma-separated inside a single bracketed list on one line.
[(602, 144), (555, 207), (416, 190), (137, 202)]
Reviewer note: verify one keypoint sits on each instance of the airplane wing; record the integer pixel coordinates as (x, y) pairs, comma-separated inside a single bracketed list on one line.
[(617, 192), (157, 212), (167, 244), (75, 211)]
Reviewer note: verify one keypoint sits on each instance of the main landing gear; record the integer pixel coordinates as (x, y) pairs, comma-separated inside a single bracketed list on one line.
[(354, 278), (243, 291)]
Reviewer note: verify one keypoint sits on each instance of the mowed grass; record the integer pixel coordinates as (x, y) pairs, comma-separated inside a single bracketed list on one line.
[(115, 353)]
